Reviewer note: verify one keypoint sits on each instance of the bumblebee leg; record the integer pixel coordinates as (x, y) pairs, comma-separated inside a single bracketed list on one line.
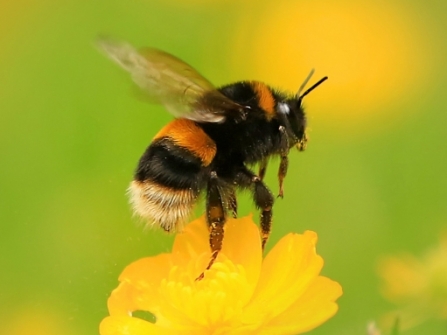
[(282, 174), (263, 200), (302, 143), (263, 168), (215, 214), (232, 203), (283, 165)]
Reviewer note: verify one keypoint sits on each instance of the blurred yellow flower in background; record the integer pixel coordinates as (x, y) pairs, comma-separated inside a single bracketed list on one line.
[(419, 285), (240, 294), (375, 54)]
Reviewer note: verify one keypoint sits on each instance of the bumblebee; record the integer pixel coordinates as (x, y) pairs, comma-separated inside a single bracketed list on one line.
[(208, 148)]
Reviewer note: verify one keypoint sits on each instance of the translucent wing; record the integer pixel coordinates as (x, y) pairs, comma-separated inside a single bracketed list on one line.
[(170, 81)]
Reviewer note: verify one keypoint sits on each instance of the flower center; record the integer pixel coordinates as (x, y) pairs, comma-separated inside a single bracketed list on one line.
[(213, 302)]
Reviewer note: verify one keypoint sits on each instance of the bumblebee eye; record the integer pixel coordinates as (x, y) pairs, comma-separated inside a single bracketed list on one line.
[(283, 108)]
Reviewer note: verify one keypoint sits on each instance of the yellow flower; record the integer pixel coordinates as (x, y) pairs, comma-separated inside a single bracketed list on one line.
[(241, 293), (418, 284)]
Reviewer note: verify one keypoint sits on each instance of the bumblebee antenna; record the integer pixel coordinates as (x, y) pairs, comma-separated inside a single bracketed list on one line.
[(311, 73), (300, 97)]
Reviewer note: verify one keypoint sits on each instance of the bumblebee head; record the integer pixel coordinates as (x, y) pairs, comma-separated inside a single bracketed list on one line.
[(294, 112)]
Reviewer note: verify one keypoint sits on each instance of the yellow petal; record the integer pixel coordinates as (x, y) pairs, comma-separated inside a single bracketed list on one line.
[(313, 308), (138, 289), (242, 245), (286, 273), (191, 243), (126, 325)]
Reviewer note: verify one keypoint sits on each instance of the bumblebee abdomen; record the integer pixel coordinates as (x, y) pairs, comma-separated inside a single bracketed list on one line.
[(169, 165), (170, 174), (162, 206)]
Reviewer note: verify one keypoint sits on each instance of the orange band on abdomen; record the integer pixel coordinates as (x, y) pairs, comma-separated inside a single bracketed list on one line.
[(187, 134)]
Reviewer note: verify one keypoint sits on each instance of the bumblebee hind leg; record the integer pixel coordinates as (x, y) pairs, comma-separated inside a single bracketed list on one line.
[(216, 217)]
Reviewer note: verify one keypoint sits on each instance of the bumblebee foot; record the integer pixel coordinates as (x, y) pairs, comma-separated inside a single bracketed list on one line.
[(281, 194), (210, 264)]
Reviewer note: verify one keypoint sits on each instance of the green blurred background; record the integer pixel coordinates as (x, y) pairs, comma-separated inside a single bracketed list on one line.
[(372, 182)]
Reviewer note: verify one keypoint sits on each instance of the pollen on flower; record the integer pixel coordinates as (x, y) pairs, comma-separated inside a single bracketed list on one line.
[(240, 294)]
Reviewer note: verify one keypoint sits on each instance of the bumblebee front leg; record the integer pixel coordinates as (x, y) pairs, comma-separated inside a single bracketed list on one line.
[(284, 163), (216, 216), (263, 200)]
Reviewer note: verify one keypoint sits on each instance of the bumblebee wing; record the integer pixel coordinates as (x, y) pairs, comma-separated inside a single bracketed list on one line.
[(168, 80)]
